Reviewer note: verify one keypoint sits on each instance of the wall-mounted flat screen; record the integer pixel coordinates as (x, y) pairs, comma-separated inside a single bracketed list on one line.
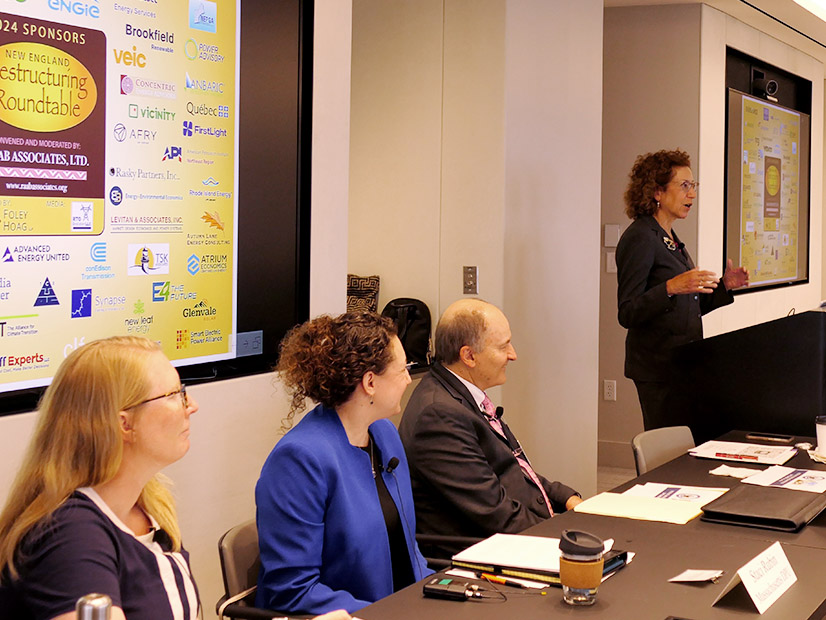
[(767, 191), (151, 182)]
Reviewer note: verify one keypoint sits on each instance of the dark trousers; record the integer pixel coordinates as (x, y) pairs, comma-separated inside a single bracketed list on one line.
[(658, 407)]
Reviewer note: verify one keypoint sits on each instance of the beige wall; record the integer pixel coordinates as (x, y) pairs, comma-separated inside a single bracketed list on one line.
[(664, 82), (458, 157)]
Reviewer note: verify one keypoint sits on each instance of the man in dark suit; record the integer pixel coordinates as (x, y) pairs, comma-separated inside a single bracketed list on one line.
[(469, 474)]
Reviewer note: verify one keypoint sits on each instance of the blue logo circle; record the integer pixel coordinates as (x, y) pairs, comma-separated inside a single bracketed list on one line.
[(116, 195)]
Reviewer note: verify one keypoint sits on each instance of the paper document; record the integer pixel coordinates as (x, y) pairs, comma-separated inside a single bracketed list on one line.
[(778, 476), (693, 575), (744, 452), (528, 552), (676, 492), (641, 508)]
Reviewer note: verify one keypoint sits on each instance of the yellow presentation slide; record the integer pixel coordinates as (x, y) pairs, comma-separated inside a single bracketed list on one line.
[(118, 203), (770, 190)]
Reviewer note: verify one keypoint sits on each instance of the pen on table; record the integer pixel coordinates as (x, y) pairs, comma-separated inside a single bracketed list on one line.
[(739, 457), (502, 580)]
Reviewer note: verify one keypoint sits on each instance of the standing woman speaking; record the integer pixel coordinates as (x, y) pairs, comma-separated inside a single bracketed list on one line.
[(661, 294)]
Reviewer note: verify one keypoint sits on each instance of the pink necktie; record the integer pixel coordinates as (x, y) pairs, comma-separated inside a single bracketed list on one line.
[(496, 424)]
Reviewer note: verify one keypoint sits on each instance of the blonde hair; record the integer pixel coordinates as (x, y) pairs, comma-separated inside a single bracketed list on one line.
[(77, 441)]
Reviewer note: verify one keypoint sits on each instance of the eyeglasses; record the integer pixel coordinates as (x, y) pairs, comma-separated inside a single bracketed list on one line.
[(410, 366), (687, 186), (181, 391)]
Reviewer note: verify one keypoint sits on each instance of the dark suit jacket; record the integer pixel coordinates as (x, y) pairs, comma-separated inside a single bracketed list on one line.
[(465, 479), (657, 323)]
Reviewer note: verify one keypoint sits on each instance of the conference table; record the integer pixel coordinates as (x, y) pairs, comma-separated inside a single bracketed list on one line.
[(641, 590)]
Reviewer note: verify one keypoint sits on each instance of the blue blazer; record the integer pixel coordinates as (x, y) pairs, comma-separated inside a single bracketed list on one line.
[(321, 531)]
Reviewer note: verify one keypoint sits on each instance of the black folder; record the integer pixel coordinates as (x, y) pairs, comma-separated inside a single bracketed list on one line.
[(769, 508)]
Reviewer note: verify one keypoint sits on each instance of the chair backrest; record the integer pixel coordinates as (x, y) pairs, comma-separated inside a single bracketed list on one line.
[(660, 445), (240, 562)]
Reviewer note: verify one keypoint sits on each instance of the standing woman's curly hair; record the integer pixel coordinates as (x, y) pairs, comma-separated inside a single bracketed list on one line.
[(325, 358), (651, 172)]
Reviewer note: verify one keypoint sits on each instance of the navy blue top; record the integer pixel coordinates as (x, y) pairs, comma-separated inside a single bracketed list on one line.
[(85, 548)]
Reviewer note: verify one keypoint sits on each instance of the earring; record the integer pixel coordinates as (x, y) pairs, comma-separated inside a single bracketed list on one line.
[(371, 400), (658, 204)]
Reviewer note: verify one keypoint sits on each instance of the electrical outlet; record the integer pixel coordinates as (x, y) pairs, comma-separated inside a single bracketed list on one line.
[(470, 280), (609, 389)]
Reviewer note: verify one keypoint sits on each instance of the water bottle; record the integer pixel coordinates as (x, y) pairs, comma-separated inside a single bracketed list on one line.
[(94, 607)]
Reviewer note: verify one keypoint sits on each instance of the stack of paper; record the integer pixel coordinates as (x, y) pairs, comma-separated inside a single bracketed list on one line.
[(781, 477), (653, 501), (744, 452)]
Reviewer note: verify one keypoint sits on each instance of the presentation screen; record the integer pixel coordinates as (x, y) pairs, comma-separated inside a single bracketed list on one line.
[(767, 206), (121, 201)]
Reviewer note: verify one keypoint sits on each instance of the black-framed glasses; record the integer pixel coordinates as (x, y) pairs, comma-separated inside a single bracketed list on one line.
[(687, 186), (181, 391)]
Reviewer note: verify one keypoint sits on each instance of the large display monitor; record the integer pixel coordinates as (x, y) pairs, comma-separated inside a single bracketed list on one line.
[(767, 191), (154, 180)]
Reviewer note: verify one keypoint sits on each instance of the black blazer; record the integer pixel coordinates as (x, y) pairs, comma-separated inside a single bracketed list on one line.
[(657, 323), (465, 479)]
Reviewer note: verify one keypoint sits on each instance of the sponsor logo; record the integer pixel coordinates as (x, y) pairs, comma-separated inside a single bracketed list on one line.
[(138, 324), (151, 258), (210, 182), (209, 238), (213, 219), (150, 112), (46, 296), (200, 51), (23, 362), (207, 263), (172, 152), (98, 252), (193, 264), (150, 34), (130, 58), (83, 215), (164, 291), (11, 328), (205, 336), (81, 303), (115, 195), (138, 307), (181, 338), (40, 253), (5, 283), (82, 9), (145, 87), (140, 173), (202, 109), (132, 11), (190, 128), (110, 303), (209, 87), (71, 346), (200, 310), (203, 15), (139, 135)]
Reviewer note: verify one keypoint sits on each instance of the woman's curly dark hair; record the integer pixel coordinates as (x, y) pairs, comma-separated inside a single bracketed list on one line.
[(651, 172), (325, 358)]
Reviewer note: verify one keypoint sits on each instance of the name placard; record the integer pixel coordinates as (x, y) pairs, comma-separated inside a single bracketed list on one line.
[(766, 577)]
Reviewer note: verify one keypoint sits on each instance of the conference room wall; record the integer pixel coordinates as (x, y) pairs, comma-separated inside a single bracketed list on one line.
[(470, 147), (238, 421), (665, 78)]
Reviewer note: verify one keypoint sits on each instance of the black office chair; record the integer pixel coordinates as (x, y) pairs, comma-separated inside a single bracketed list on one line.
[(240, 564)]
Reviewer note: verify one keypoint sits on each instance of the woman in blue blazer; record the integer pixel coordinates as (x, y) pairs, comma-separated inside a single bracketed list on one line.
[(336, 522), (661, 294)]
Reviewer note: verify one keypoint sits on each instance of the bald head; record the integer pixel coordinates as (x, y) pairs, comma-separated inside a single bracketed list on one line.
[(463, 323), (473, 339)]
